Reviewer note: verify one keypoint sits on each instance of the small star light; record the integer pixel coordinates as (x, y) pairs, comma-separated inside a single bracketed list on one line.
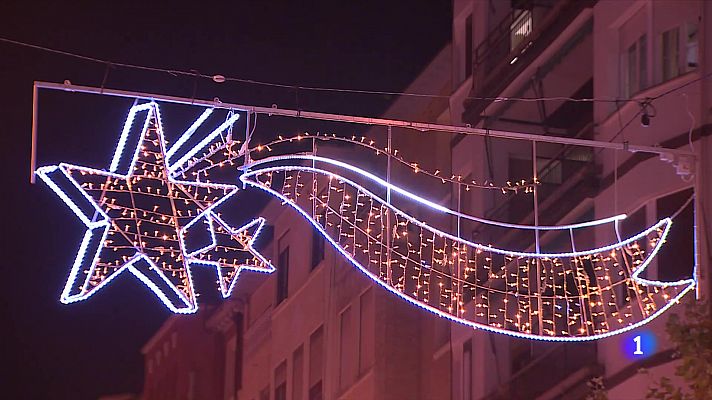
[(140, 217)]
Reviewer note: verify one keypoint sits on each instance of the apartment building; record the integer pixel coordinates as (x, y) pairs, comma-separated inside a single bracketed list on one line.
[(644, 61), (319, 329)]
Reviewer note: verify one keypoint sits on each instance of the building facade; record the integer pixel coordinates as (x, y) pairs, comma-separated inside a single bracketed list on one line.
[(644, 64), (318, 329)]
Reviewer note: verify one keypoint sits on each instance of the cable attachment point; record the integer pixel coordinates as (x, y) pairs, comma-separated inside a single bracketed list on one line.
[(684, 165), (646, 106)]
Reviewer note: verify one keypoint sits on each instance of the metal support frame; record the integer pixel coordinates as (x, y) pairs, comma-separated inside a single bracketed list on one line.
[(420, 126), (535, 175), (700, 273), (390, 123), (389, 229), (33, 151)]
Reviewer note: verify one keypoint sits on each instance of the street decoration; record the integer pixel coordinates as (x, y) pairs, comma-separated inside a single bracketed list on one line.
[(582, 294), (140, 217), (142, 212)]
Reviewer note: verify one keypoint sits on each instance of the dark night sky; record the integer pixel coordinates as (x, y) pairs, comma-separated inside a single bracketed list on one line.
[(80, 351)]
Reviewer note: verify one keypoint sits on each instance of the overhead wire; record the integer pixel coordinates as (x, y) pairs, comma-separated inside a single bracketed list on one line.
[(221, 78), (642, 102)]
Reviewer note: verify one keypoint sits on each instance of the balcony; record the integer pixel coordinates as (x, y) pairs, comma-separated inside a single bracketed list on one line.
[(513, 44), (563, 368), (566, 178)]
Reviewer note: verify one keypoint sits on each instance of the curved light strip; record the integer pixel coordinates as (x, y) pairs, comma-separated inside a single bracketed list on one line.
[(663, 222), (424, 201), (369, 145), (206, 141), (452, 317), (188, 133)]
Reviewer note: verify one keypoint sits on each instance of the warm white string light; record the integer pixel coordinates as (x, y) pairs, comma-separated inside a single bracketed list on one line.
[(140, 218), (575, 290), (573, 295)]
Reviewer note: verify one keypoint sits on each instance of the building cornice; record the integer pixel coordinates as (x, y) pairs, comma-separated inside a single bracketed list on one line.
[(164, 329), (222, 319)]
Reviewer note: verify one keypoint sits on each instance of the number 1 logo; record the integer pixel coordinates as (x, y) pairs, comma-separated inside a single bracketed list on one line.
[(638, 351)]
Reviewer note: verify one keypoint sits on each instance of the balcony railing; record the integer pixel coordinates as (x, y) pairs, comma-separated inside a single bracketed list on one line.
[(552, 368), (521, 35), (506, 36), (575, 170)]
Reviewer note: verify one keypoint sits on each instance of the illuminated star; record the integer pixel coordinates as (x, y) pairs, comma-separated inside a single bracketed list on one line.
[(225, 257), (137, 220)]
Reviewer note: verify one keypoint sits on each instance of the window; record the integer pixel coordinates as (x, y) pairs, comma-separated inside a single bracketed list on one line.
[(631, 63), (193, 384), (366, 332), (635, 67), (467, 370), (520, 28), (550, 171), (239, 345), (634, 223), (520, 355), (468, 46), (670, 54), (316, 364), (691, 47), (441, 331), (675, 260), (642, 62), (266, 236), (678, 50), (318, 241), (316, 392), (280, 381), (282, 273), (229, 383), (347, 349), (298, 373), (264, 393), (676, 257)]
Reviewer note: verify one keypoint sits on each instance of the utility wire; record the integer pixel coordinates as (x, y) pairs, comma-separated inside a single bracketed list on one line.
[(222, 78)]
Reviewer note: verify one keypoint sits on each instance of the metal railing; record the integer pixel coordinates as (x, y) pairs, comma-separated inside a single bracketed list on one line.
[(498, 42), (501, 211), (513, 43), (542, 373)]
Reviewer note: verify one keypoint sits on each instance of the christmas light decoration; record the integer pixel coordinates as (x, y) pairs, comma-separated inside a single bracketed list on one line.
[(140, 217), (365, 143), (220, 255), (565, 296), (154, 212)]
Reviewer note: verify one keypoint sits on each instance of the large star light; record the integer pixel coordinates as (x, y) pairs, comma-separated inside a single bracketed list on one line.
[(140, 217)]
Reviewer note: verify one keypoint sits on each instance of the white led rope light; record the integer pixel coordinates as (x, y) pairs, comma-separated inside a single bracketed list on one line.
[(153, 275), (663, 226)]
